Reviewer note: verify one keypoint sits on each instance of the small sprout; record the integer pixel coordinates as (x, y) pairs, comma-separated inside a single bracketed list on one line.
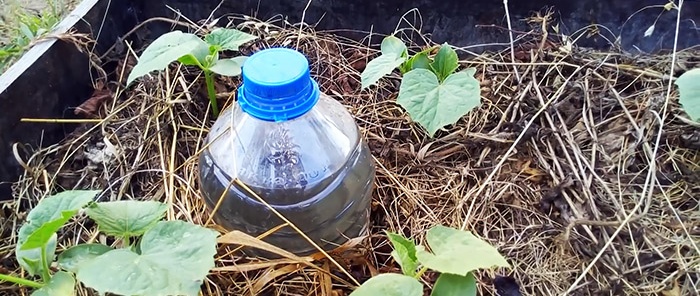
[(190, 50), (449, 247), (433, 94)]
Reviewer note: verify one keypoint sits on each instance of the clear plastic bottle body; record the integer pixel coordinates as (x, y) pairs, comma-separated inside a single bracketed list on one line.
[(315, 170)]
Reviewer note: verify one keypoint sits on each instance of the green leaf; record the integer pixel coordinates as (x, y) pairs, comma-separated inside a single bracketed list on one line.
[(446, 62), (454, 285), (26, 31), (380, 67), (52, 207), (126, 218), (190, 60), (689, 90), (43, 234), (420, 61), (393, 46), (404, 253), (434, 105), (30, 260), (228, 39), (61, 284), (166, 49), (390, 284), (72, 258), (48, 211), (229, 67), (175, 257), (393, 55), (458, 252)]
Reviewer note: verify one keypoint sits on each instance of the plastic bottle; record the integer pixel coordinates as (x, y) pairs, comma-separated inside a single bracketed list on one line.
[(298, 149)]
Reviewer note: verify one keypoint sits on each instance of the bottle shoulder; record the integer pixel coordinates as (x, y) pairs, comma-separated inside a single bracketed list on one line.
[(284, 154)]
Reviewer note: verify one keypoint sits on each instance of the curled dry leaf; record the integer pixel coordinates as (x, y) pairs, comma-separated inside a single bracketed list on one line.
[(675, 290), (239, 238), (90, 107)]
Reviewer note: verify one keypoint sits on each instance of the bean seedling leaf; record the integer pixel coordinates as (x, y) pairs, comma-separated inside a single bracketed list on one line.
[(49, 209), (380, 67), (454, 285), (190, 60), (433, 104), (30, 260), (229, 67), (458, 252), (445, 62), (393, 45), (393, 55), (420, 61), (198, 56), (689, 91), (175, 257), (390, 284), (228, 39), (125, 218), (61, 284), (166, 49), (404, 253), (52, 207), (72, 258), (43, 234)]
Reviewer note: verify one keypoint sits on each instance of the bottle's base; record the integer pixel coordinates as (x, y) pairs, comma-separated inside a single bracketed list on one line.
[(340, 210), (328, 247)]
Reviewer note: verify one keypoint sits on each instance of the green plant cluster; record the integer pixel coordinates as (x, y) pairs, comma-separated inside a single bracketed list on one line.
[(155, 257), (24, 29), (432, 91), (190, 50), (455, 255)]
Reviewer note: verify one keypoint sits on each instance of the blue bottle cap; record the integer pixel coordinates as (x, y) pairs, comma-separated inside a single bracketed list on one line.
[(277, 85)]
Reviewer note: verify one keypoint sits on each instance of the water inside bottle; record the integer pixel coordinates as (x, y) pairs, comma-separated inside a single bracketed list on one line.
[(328, 210)]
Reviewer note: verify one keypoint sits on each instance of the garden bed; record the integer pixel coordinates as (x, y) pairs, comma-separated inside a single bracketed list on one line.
[(563, 167)]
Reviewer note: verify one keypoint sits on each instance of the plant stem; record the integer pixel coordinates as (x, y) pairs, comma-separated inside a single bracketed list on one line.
[(421, 272), (211, 91), (19, 281), (45, 275), (127, 243)]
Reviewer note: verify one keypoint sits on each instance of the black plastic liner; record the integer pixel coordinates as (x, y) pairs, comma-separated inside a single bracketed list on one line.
[(467, 23), (59, 78)]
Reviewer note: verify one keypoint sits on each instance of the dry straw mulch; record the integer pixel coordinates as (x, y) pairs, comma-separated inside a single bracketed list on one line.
[(578, 167)]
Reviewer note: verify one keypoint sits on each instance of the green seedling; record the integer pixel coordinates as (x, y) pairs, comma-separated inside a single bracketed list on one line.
[(455, 255), (155, 257), (191, 50), (689, 91), (432, 91), (23, 31)]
